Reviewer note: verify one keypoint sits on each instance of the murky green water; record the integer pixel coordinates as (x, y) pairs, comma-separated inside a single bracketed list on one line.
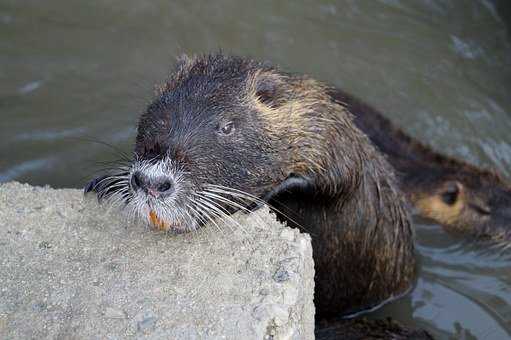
[(74, 71)]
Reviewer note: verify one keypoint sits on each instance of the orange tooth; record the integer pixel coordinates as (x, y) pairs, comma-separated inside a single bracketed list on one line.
[(157, 222)]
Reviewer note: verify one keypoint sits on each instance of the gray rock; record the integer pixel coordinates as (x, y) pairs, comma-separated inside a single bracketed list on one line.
[(281, 275), (72, 269), (114, 313)]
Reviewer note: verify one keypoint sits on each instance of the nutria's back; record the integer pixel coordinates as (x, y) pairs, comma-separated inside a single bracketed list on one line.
[(454, 193)]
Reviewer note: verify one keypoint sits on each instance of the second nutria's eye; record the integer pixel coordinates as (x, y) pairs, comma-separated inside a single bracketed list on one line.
[(451, 193), (226, 129)]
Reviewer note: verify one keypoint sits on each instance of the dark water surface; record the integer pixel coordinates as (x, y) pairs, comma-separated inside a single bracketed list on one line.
[(74, 71)]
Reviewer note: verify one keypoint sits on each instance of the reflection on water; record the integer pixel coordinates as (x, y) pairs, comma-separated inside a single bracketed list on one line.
[(464, 288), (76, 71)]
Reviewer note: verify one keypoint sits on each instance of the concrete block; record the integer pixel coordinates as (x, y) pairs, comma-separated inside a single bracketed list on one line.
[(72, 269)]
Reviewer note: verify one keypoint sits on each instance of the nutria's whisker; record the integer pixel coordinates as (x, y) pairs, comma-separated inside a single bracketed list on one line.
[(110, 184), (124, 156), (224, 212), (191, 219), (118, 198), (223, 199), (200, 217), (117, 184), (106, 192), (213, 221), (214, 209), (212, 196), (204, 210), (251, 198), (196, 215), (168, 211), (114, 165), (234, 192)]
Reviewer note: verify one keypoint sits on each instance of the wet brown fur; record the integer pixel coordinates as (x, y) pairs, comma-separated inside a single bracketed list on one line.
[(482, 198), (361, 234)]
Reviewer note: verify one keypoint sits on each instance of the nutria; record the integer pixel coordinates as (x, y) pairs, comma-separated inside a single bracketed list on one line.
[(458, 195), (227, 133)]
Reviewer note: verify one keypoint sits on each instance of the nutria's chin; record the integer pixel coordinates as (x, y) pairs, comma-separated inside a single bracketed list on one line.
[(225, 133)]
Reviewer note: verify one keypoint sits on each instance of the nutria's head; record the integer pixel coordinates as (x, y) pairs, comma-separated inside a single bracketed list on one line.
[(222, 134), (467, 199)]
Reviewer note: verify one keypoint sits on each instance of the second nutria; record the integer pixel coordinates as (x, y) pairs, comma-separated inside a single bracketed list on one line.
[(227, 133), (456, 194)]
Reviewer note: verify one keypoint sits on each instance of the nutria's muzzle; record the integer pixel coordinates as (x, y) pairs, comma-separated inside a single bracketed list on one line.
[(159, 187)]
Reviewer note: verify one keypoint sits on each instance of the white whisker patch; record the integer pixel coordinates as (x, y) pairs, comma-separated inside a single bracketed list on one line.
[(184, 209)]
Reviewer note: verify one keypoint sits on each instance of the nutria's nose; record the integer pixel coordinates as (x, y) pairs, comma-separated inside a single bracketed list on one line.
[(156, 187)]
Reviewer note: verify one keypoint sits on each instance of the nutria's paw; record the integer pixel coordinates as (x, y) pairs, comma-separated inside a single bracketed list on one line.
[(93, 184)]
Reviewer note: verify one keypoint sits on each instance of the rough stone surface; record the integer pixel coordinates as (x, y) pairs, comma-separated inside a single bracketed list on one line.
[(72, 269)]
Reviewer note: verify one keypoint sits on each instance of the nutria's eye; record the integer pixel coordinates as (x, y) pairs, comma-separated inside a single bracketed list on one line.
[(226, 129), (451, 193)]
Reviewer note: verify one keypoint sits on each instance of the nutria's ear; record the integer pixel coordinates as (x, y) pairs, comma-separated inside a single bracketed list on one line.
[(268, 89), (451, 192), (266, 93)]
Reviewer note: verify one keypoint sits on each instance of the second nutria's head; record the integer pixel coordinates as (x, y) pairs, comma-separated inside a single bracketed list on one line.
[(465, 198), (224, 133)]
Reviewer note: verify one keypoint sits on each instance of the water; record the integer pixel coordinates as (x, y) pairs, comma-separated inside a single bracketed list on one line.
[(76, 71)]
